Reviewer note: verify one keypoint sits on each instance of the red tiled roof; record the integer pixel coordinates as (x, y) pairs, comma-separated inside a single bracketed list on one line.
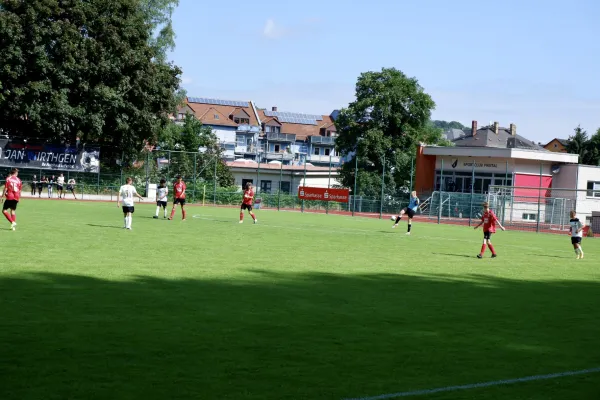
[(208, 118), (206, 112), (302, 131), (200, 109)]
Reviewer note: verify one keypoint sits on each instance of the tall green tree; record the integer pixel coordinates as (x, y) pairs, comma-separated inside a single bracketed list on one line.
[(83, 69), (157, 14), (594, 149), (195, 151), (390, 116), (448, 125), (578, 143)]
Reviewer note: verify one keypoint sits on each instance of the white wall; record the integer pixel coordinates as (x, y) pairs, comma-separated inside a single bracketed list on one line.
[(575, 176), (296, 178), (224, 134), (489, 164), (585, 204)]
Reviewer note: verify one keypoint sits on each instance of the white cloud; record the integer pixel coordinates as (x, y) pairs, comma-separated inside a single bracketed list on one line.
[(272, 30)]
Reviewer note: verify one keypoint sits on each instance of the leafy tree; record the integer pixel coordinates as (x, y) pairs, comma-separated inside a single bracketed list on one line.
[(594, 149), (444, 125), (194, 145), (81, 69), (578, 144), (157, 14), (390, 116)]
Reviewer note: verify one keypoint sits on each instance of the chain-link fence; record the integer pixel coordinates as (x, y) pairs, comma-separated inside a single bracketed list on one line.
[(452, 193)]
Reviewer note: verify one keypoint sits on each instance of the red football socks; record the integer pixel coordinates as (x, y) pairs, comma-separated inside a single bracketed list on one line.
[(183, 213), (482, 249), (241, 216), (491, 248), (8, 217)]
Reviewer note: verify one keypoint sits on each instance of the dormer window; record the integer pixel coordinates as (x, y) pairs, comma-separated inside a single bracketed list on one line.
[(181, 116), (272, 129), (241, 121)]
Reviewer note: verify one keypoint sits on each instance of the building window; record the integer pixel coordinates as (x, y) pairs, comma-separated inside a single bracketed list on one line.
[(528, 217), (277, 148), (593, 189), (285, 187), (241, 140), (181, 116), (265, 186), (317, 151), (555, 145), (216, 116), (327, 152), (273, 129), (241, 121)]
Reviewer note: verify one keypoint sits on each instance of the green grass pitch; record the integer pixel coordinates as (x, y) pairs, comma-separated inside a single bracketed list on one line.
[(299, 306)]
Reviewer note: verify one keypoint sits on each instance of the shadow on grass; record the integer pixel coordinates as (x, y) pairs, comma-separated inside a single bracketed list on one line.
[(456, 255), (267, 335), (549, 256), (105, 226)]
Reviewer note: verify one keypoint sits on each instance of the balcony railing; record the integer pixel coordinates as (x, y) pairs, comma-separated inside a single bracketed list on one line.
[(278, 156), (322, 139), (281, 137), (323, 158), (245, 149)]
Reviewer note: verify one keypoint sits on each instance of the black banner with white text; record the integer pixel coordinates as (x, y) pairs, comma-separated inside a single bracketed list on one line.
[(48, 156)]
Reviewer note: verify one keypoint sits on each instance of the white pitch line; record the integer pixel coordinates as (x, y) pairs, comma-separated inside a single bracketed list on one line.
[(354, 231), (479, 385)]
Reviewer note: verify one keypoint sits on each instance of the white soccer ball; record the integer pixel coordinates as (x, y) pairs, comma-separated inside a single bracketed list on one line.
[(393, 218)]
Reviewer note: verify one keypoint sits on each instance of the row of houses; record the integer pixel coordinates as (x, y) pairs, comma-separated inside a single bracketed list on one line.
[(247, 132), (277, 150)]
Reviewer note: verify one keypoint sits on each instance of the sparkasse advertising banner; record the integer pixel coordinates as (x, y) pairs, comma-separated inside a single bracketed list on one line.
[(323, 194), (49, 156)]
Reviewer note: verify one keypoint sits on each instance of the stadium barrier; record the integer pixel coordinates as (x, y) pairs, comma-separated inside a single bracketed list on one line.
[(454, 197)]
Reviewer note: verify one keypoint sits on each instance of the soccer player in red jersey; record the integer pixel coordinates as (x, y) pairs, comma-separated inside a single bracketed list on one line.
[(247, 203), (179, 189), (12, 192), (489, 221)]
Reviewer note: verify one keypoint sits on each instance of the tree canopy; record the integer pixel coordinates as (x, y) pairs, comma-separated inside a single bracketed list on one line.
[(444, 125), (390, 116), (588, 148), (85, 69), (157, 13), (195, 149)]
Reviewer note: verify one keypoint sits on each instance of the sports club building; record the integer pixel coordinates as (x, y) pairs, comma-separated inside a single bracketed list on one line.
[(497, 156)]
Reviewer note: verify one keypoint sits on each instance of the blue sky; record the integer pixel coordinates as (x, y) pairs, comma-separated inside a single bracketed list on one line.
[(535, 63)]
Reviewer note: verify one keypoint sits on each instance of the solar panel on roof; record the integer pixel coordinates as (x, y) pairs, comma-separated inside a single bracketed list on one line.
[(204, 100)]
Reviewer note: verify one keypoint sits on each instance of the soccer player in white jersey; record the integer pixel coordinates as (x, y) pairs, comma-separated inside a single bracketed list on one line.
[(126, 194), (576, 234), (161, 198)]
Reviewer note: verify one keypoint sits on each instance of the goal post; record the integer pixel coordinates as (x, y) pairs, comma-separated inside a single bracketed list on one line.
[(540, 208)]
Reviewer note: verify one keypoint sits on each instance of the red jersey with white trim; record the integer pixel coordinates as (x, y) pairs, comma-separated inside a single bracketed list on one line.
[(13, 188), (248, 197), (489, 220), (179, 189)]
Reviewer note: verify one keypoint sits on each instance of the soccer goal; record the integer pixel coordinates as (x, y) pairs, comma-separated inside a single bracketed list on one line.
[(539, 208)]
